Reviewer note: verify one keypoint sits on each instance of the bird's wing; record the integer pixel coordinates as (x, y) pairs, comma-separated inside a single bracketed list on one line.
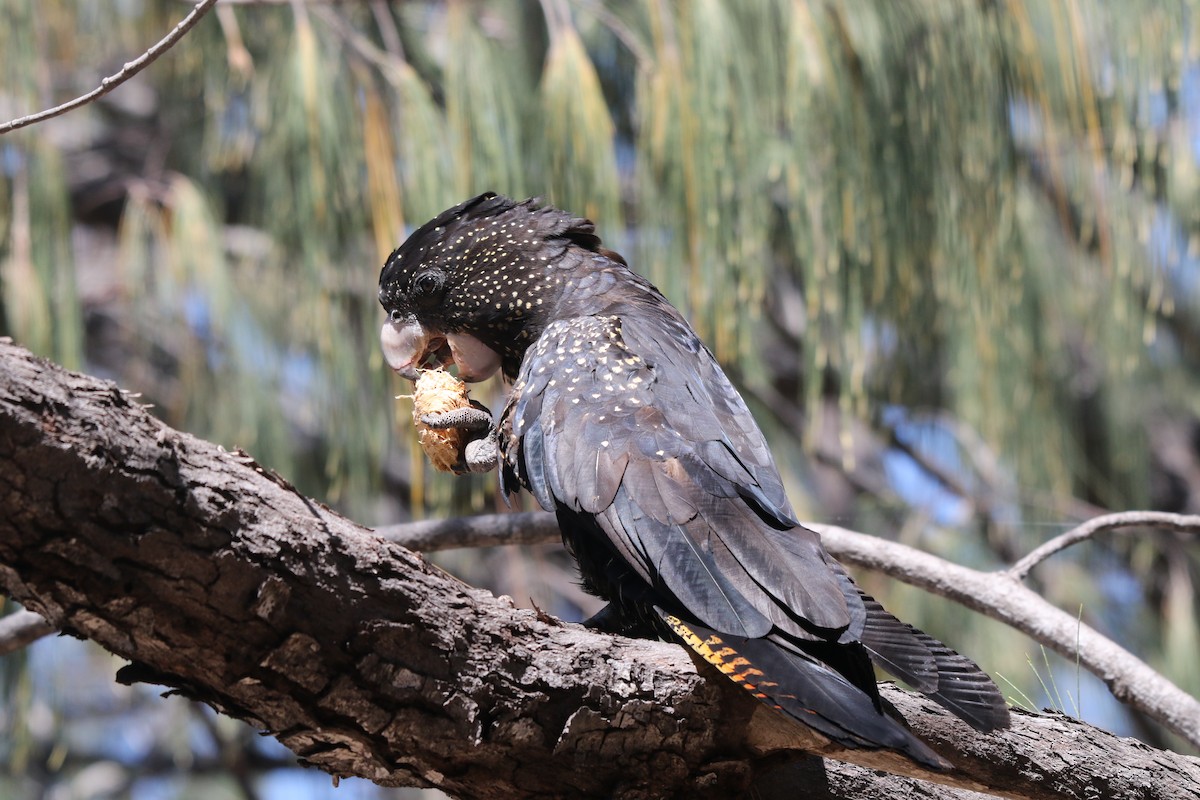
[(629, 419)]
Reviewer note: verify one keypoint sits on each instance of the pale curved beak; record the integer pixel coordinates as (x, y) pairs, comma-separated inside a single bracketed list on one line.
[(408, 347), (405, 346)]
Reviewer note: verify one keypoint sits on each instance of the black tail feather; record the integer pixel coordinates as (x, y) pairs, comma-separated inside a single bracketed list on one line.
[(805, 690), (955, 682)]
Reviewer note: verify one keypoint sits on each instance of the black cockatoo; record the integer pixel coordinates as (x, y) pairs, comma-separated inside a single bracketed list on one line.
[(621, 422)]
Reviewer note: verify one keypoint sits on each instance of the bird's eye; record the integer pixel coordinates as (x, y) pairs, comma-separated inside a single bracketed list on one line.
[(427, 288)]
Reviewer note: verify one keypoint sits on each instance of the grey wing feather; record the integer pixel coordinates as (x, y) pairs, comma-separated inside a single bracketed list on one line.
[(678, 474), (667, 461)]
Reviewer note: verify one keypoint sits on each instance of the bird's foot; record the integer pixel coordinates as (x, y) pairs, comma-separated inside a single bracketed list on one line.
[(610, 620), (474, 418), (482, 453)]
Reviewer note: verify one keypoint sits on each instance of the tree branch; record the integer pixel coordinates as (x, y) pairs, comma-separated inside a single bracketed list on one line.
[(126, 72), (214, 576), (1124, 519), (20, 629), (485, 530), (1002, 597), (997, 595)]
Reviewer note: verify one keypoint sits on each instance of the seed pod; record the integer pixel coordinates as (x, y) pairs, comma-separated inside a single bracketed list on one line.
[(438, 391)]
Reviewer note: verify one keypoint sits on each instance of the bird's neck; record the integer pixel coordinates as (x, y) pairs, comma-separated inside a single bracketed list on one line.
[(594, 285)]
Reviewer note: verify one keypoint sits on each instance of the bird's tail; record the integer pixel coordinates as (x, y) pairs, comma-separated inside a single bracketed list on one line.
[(946, 677), (803, 689)]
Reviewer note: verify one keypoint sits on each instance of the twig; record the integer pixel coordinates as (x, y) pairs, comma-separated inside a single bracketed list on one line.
[(390, 64), (128, 71), (239, 58), (387, 28), (1125, 519), (231, 754), (428, 536), (625, 34), (980, 504), (21, 629)]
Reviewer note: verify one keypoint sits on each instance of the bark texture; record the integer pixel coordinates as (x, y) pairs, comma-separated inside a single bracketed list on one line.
[(215, 577)]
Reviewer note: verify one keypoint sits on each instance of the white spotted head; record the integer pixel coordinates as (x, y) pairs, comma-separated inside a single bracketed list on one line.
[(493, 269)]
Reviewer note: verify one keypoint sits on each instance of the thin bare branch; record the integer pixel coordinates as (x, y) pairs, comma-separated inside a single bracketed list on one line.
[(130, 69), (625, 34), (1000, 596), (390, 64), (21, 629), (1187, 523), (388, 31), (488, 530)]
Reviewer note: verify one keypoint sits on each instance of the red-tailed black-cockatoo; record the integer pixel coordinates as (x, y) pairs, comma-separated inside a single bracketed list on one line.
[(622, 423)]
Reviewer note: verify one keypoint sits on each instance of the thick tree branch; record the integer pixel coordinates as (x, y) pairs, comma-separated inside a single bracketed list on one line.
[(997, 595), (214, 576), (126, 72)]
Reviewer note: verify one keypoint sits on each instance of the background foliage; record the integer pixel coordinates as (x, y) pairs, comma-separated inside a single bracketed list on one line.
[(947, 248)]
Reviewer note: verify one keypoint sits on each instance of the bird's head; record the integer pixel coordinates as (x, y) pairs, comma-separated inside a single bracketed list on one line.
[(477, 284)]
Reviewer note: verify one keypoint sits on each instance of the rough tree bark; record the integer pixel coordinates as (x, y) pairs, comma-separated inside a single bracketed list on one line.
[(215, 577)]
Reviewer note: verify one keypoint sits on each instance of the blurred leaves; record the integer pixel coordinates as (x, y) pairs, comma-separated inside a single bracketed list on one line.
[(969, 226), (999, 172)]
